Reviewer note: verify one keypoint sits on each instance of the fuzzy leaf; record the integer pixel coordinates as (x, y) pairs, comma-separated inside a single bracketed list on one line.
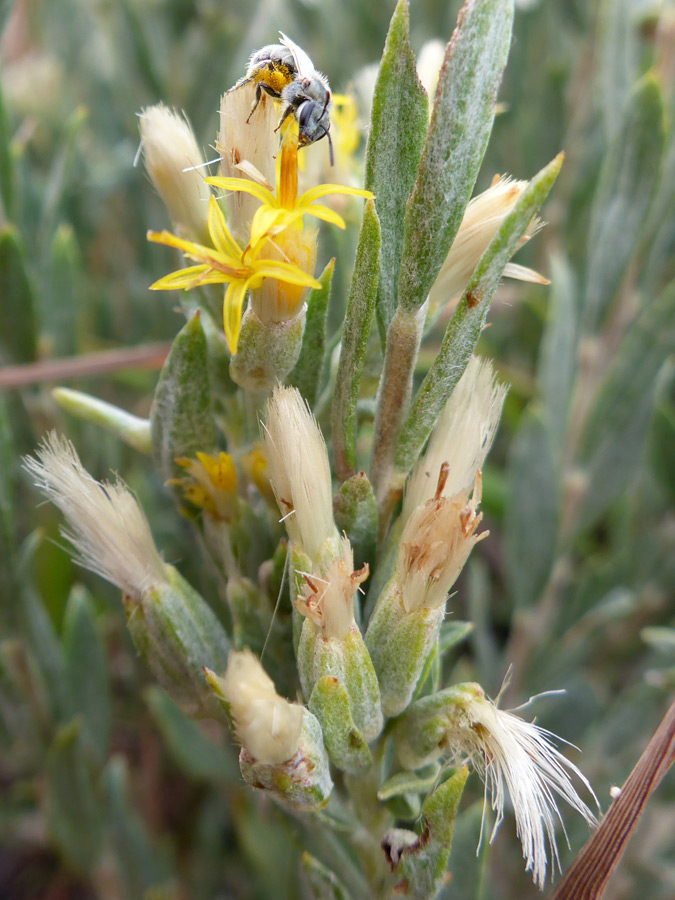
[(86, 670), (74, 818), (397, 129), (409, 782), (531, 525), (60, 295), (360, 308), (355, 513), (6, 155), (18, 334), (346, 745), (461, 122), (422, 865), (305, 375), (197, 756), (626, 185), (556, 368), (140, 865), (452, 633), (131, 429), (616, 428), (467, 322), (323, 884), (181, 418), (617, 59)]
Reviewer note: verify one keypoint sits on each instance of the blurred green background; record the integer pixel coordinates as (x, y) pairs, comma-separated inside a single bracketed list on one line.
[(107, 791)]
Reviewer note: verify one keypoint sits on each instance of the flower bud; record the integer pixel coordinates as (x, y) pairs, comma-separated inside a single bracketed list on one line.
[(282, 748), (172, 627), (169, 149), (267, 351), (300, 473)]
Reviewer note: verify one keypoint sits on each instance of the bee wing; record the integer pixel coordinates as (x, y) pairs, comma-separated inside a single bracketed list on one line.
[(303, 63)]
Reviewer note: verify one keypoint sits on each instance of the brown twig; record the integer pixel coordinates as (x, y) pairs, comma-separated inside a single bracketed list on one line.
[(147, 356), (587, 877)]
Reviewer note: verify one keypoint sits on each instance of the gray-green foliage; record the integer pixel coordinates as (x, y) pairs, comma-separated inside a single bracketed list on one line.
[(573, 588)]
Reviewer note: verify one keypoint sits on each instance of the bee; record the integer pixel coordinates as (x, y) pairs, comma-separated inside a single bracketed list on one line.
[(285, 72)]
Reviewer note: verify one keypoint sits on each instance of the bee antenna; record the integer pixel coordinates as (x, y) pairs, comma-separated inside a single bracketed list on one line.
[(330, 146)]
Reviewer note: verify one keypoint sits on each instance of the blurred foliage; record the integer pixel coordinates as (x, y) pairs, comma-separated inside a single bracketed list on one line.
[(108, 791)]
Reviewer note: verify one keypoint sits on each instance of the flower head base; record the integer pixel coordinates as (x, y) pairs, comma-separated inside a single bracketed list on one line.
[(226, 263), (516, 757), (267, 725), (109, 532), (436, 543), (211, 485), (328, 600)]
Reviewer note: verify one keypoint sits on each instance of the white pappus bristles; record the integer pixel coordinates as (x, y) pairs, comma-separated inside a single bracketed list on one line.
[(461, 437), (247, 144), (483, 216), (108, 530), (174, 163), (519, 758), (435, 544), (267, 725), (328, 600), (299, 471)]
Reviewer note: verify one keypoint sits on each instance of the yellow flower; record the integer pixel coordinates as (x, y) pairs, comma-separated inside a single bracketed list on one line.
[(227, 263), (211, 484), (283, 207)]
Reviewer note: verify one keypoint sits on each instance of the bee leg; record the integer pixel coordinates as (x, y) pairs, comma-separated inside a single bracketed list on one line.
[(258, 97), (285, 114)]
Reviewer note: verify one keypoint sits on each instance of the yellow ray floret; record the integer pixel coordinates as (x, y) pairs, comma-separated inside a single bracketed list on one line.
[(226, 263), (283, 207)]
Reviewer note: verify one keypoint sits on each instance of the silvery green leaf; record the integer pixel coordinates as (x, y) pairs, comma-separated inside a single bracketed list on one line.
[(461, 122), (355, 513), (617, 59), (7, 520), (305, 375), (422, 866), (531, 518), (17, 305), (74, 816), (397, 129), (323, 884), (451, 633), (60, 294), (131, 429), (6, 160), (626, 185), (360, 308), (199, 757), (409, 782), (556, 368), (87, 670), (344, 742), (181, 418), (139, 864), (468, 319), (46, 654), (465, 880), (616, 427)]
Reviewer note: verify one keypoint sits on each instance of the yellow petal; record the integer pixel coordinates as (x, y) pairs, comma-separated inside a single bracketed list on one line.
[(245, 186), (325, 214), (186, 279), (267, 222), (233, 303), (320, 190), (282, 271), (220, 234)]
